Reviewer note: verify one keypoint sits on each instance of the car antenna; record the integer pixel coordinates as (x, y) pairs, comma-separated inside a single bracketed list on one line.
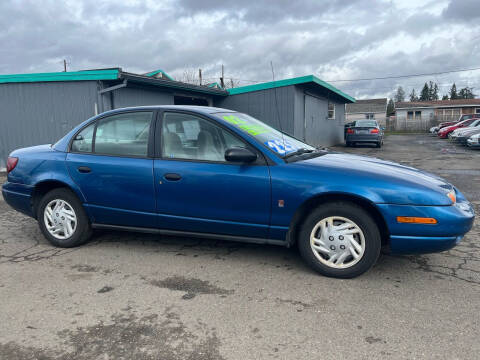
[(277, 109)]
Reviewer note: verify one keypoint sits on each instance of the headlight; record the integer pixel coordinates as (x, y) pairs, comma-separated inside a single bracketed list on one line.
[(452, 196)]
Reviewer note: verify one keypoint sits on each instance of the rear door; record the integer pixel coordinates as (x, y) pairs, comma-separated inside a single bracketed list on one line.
[(111, 160), (197, 190)]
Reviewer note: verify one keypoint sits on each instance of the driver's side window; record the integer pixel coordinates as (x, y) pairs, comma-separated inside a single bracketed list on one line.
[(190, 137), (84, 140)]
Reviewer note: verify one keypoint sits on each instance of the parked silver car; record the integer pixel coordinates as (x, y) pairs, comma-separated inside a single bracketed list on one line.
[(462, 134), (474, 141), (364, 132)]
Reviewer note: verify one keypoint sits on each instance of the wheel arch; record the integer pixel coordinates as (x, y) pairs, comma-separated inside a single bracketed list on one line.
[(43, 187), (317, 200)]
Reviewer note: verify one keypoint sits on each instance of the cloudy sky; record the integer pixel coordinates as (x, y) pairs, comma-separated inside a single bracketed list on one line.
[(334, 39)]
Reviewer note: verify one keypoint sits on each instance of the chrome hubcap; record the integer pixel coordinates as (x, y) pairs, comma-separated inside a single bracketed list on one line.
[(337, 242), (60, 219)]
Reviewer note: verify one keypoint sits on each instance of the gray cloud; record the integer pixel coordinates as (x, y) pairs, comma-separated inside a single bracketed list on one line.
[(462, 10), (333, 39)]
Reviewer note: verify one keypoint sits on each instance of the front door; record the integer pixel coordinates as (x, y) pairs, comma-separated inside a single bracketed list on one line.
[(109, 161), (198, 190)]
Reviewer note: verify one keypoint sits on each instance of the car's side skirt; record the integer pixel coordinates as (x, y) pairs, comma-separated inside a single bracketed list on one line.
[(193, 234)]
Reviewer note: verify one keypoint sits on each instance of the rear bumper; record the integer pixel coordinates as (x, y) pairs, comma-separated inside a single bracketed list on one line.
[(18, 196), (367, 138), (453, 222)]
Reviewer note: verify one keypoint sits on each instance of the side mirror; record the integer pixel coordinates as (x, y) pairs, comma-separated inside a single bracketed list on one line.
[(79, 138), (241, 155), (383, 128)]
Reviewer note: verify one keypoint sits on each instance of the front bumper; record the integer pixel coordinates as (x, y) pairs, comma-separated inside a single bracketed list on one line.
[(19, 197), (454, 222), (472, 143)]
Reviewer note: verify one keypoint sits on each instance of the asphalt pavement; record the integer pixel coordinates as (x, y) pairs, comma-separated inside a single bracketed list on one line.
[(138, 296)]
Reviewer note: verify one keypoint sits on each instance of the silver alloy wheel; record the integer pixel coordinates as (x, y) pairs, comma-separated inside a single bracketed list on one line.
[(60, 219), (337, 242)]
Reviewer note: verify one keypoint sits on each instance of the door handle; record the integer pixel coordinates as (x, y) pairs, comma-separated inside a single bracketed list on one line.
[(172, 177), (84, 169)]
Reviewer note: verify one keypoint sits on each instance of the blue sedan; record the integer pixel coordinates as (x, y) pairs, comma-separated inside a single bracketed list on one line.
[(216, 173)]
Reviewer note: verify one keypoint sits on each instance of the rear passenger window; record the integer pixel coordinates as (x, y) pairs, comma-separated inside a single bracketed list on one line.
[(124, 134), (84, 140)]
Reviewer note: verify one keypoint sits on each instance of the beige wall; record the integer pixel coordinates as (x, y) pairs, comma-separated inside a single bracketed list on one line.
[(379, 116)]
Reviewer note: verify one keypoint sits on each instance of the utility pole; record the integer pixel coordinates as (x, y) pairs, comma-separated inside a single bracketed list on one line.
[(200, 75), (64, 65), (222, 83)]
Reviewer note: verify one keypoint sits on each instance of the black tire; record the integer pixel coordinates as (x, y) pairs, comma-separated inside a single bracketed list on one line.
[(379, 144), (354, 213), (83, 229), (348, 144)]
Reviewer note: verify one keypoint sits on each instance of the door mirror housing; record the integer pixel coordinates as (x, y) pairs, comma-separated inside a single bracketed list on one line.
[(240, 155)]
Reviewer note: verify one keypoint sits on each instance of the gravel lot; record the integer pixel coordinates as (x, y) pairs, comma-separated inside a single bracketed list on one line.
[(129, 296)]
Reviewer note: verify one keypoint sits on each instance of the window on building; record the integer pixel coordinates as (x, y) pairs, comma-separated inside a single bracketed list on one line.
[(418, 115), (410, 115), (84, 140), (477, 111), (331, 111), (124, 134), (369, 116), (189, 137)]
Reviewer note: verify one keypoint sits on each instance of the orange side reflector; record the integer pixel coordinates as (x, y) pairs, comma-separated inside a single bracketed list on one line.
[(416, 220)]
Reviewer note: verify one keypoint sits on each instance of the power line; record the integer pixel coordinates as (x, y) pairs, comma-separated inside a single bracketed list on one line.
[(405, 76)]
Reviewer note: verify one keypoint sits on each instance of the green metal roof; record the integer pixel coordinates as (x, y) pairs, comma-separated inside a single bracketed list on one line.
[(159, 71), (104, 74), (287, 82)]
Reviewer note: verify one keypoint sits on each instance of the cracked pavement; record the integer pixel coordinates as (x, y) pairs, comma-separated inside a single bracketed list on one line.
[(138, 296)]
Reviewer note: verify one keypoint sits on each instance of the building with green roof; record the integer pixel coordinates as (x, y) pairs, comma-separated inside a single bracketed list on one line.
[(40, 108)]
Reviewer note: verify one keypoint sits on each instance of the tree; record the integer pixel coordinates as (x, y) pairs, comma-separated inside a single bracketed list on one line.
[(433, 91), (453, 92), (413, 96), (466, 93), (445, 97), (400, 95), (425, 94), (390, 107)]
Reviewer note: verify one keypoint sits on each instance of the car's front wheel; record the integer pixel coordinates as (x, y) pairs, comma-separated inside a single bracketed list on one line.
[(62, 219), (340, 239)]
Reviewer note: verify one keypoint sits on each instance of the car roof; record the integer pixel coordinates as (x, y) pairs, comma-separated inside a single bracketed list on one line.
[(194, 108)]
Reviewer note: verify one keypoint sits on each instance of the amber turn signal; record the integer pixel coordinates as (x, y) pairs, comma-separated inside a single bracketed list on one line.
[(416, 220)]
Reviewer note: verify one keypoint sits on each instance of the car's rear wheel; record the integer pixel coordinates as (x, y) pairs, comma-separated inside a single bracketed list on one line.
[(340, 239), (62, 219), (379, 144)]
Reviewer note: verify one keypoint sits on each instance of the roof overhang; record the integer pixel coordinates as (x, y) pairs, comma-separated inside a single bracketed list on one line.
[(101, 74), (309, 79), (177, 85)]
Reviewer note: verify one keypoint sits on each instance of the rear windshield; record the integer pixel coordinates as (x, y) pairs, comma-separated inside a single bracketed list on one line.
[(365, 123)]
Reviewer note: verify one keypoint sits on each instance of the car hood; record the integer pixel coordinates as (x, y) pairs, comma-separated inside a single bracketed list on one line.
[(389, 181)]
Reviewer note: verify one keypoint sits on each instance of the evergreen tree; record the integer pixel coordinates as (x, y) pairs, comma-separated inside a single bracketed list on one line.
[(425, 94), (453, 92), (445, 97), (435, 92), (466, 93), (400, 95), (390, 107), (413, 96)]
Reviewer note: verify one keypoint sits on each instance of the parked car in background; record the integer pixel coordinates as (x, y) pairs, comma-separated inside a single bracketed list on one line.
[(364, 132), (443, 133), (219, 174), (474, 141), (435, 129), (462, 134)]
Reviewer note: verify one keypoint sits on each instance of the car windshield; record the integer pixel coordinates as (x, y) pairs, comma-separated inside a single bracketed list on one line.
[(276, 141), (365, 123), (475, 123)]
